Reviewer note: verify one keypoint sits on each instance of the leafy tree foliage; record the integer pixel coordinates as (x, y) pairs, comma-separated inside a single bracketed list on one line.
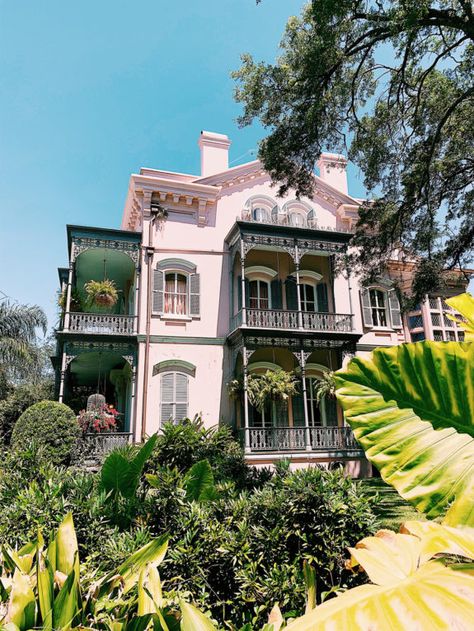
[(392, 83), (18, 325)]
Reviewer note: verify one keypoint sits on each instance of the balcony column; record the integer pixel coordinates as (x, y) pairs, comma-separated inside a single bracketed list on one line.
[(67, 308), (298, 287), (242, 280), (136, 301), (305, 402), (63, 376), (246, 402)]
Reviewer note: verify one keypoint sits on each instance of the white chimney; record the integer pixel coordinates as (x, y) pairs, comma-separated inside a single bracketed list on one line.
[(332, 169), (214, 153)]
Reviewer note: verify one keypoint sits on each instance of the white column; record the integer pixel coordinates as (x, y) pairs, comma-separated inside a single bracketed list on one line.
[(246, 403), (137, 295), (305, 402), (242, 280), (63, 375), (298, 288), (67, 316)]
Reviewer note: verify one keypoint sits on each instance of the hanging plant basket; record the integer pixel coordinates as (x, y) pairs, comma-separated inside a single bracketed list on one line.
[(101, 293), (277, 385)]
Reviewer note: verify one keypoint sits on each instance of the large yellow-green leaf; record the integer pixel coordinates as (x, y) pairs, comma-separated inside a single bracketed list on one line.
[(411, 408), (63, 553), (409, 593), (464, 304), (194, 620), (22, 605)]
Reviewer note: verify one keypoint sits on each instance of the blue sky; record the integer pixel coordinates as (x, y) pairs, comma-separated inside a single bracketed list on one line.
[(92, 91)]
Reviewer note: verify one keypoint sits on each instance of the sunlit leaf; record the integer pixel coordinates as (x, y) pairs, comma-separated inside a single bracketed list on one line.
[(199, 482), (194, 620), (22, 604), (310, 581), (464, 304), (411, 408)]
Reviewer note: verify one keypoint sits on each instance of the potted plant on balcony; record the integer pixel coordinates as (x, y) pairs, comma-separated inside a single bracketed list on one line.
[(75, 303), (325, 387), (97, 420), (101, 293)]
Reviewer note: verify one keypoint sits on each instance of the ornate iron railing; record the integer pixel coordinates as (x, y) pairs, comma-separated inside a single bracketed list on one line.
[(282, 319), (323, 438), (292, 220), (101, 323), (98, 445), (278, 439)]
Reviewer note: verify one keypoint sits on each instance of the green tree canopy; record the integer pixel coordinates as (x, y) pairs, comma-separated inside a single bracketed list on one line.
[(392, 84)]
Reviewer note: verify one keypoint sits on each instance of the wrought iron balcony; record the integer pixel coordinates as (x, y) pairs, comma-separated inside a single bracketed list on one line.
[(288, 439), (291, 220), (98, 445), (284, 319), (104, 324)]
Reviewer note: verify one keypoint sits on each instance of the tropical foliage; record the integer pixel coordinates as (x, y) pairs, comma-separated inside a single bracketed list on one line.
[(41, 587), (272, 385), (411, 407), (405, 116), (18, 399), (52, 426), (18, 341), (419, 582)]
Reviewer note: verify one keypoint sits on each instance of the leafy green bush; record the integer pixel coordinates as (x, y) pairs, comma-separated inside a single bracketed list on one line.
[(250, 547), (19, 399), (52, 426), (184, 444)]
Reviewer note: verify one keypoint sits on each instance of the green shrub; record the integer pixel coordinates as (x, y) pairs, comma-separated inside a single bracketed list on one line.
[(17, 400), (50, 425), (183, 444), (250, 546)]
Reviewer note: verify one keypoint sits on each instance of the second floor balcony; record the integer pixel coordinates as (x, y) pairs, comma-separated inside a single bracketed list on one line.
[(102, 324), (280, 319)]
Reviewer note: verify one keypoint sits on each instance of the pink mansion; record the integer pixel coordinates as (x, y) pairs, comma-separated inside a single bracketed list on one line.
[(218, 278)]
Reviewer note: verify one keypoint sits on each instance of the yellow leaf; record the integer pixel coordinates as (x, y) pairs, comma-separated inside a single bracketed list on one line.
[(194, 620), (463, 304)]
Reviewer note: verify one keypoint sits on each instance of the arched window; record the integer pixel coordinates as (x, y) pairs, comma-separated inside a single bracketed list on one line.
[(259, 294), (297, 219), (176, 289), (173, 397), (259, 208), (260, 214)]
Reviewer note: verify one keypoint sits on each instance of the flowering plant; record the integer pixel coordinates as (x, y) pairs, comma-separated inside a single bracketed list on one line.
[(99, 419)]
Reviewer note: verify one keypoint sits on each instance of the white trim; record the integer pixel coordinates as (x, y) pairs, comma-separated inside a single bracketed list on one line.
[(267, 365), (307, 273), (260, 200), (297, 204), (258, 271), (316, 368)]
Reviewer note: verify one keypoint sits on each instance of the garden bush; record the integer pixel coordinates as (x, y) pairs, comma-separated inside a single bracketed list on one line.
[(16, 401), (52, 426), (183, 444)]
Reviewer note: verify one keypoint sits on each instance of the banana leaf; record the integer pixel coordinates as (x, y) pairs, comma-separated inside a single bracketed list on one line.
[(199, 482), (22, 604), (194, 620), (411, 408)]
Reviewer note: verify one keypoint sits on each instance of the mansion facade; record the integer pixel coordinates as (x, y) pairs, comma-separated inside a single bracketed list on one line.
[(218, 279)]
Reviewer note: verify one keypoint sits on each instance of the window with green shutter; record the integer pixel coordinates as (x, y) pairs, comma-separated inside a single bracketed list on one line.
[(173, 397)]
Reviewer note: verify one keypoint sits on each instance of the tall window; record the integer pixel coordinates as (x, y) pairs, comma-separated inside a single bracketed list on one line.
[(176, 293), (315, 415), (308, 300), (378, 305), (174, 397), (259, 294)]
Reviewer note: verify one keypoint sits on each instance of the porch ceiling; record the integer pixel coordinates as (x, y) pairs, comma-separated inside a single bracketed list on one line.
[(87, 367), (90, 266)]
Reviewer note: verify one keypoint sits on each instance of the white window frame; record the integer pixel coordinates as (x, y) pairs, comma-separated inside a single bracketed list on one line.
[(173, 314), (377, 308), (172, 417)]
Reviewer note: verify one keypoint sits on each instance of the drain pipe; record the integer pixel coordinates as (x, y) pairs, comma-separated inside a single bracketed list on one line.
[(154, 211)]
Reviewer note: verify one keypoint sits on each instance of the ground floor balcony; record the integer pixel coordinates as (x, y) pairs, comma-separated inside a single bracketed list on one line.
[(101, 324), (296, 439)]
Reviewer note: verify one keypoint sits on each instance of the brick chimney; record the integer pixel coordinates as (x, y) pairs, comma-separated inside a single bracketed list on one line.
[(332, 169), (214, 153)]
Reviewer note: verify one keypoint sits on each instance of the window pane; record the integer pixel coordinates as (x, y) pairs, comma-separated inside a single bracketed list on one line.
[(176, 291)]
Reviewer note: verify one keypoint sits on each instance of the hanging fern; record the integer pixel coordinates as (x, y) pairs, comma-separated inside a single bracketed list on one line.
[(102, 293), (273, 385), (325, 387)]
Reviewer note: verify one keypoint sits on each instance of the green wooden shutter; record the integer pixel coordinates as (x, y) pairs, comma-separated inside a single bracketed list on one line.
[(322, 295), (291, 294), (239, 293), (247, 293), (366, 309), (330, 407), (158, 291), (194, 294), (395, 315), (276, 294)]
